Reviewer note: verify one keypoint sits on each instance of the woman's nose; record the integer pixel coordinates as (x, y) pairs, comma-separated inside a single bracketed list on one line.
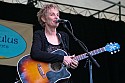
[(57, 17)]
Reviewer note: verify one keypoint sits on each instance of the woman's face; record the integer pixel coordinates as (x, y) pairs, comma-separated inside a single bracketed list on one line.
[(51, 17)]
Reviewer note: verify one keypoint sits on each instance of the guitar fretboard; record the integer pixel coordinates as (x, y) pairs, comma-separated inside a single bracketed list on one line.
[(94, 52)]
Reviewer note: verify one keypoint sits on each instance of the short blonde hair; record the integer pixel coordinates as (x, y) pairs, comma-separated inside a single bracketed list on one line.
[(43, 11)]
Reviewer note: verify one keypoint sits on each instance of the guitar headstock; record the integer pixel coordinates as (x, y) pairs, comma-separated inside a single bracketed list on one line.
[(112, 47)]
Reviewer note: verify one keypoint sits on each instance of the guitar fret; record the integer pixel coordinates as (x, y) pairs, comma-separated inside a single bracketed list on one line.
[(83, 56), (79, 57), (100, 50), (103, 49), (92, 53), (96, 51), (76, 58)]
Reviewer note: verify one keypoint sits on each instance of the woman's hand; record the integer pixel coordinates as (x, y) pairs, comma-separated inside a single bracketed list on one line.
[(70, 62)]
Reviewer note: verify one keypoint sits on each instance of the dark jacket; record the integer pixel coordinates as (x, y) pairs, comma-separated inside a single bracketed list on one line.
[(39, 46)]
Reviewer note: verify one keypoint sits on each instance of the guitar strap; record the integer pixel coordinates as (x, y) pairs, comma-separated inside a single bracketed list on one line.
[(60, 38)]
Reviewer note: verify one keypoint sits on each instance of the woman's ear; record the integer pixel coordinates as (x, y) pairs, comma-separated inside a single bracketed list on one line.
[(43, 19)]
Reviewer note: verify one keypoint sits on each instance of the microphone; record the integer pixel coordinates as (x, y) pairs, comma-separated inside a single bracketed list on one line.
[(61, 21)]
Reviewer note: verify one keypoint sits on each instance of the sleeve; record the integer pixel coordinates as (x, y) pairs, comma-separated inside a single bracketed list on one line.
[(37, 52)]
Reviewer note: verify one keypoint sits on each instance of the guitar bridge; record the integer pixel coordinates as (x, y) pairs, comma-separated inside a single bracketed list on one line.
[(41, 71)]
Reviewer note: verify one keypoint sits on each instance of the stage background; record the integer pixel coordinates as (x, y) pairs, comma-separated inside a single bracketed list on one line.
[(95, 33)]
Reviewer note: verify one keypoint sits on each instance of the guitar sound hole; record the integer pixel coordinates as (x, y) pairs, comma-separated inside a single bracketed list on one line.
[(56, 66)]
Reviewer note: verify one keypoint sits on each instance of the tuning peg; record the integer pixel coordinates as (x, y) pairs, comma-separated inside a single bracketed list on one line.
[(111, 52), (118, 50), (115, 51), (110, 42)]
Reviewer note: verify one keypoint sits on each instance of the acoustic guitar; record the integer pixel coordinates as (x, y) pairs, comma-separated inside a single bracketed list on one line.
[(31, 71)]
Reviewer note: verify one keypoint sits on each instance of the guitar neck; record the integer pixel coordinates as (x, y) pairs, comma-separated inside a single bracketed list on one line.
[(94, 52)]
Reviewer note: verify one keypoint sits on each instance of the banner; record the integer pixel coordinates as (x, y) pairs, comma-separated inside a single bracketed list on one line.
[(15, 41)]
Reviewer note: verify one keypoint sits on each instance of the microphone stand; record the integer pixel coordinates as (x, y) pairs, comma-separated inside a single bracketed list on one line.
[(90, 58)]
